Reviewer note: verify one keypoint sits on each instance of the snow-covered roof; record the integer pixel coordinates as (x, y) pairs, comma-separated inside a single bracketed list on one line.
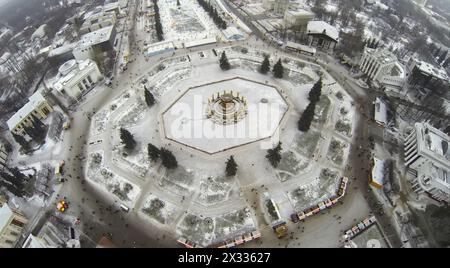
[(95, 37), (299, 13), (378, 172), (40, 32), (61, 50), (160, 47), (301, 47), (45, 50), (380, 112), (111, 6), (200, 42), (68, 70), (427, 68), (33, 102), (433, 143), (401, 69), (378, 4), (32, 242), (382, 55), (232, 33), (440, 173), (5, 216), (5, 57), (322, 27), (331, 8)]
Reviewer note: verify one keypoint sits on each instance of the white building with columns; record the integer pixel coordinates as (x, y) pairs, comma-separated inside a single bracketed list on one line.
[(427, 156), (74, 78), (376, 63)]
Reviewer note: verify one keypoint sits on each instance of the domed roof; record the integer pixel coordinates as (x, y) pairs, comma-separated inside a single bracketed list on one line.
[(67, 67)]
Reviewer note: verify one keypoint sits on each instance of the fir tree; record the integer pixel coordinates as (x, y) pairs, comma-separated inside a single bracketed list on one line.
[(278, 69), (149, 99), (231, 167), (316, 91), (168, 159), (178, 3), (127, 139), (307, 117), (274, 156), (153, 152), (265, 65), (224, 64)]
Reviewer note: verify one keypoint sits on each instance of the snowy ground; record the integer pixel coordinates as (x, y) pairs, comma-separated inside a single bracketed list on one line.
[(337, 151), (261, 122), (323, 187), (196, 198), (162, 211), (211, 230), (216, 189), (109, 181)]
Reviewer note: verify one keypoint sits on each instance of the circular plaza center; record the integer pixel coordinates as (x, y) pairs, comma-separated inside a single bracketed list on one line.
[(225, 114)]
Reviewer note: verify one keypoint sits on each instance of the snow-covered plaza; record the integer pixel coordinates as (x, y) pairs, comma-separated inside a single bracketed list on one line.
[(185, 121), (196, 200)]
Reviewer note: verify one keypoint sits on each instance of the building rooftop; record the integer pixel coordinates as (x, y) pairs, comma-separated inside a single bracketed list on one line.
[(380, 112), (68, 70), (5, 57), (300, 12), (433, 143), (40, 32), (401, 70), (322, 27), (301, 47), (62, 49), (5, 216), (431, 70), (96, 37), (441, 173), (232, 33), (160, 46), (378, 172), (111, 6), (382, 55), (33, 101), (33, 242)]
